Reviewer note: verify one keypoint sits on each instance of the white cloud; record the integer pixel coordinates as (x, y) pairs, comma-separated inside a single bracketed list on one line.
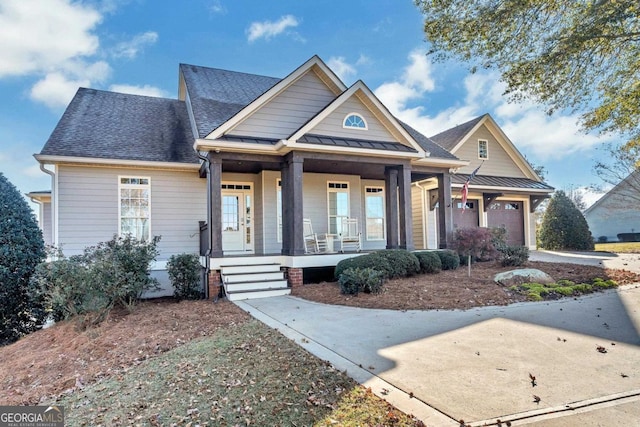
[(216, 6), (269, 29), (37, 35), (341, 67), (130, 49), (145, 90), (525, 123), (57, 88)]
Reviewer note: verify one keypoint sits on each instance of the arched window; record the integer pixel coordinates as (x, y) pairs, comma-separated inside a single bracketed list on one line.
[(354, 121)]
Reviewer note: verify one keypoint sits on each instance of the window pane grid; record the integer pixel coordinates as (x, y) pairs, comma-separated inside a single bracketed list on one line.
[(134, 206), (374, 210)]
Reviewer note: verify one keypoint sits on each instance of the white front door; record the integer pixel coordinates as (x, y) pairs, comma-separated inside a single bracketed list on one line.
[(237, 221)]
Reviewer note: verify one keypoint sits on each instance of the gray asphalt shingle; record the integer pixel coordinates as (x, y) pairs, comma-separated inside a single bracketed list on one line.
[(110, 125), (451, 137)]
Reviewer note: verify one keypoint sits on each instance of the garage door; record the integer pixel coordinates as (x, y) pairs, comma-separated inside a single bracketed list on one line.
[(508, 214), (467, 218)]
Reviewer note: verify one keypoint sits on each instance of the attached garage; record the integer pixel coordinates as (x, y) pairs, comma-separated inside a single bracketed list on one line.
[(510, 215), (465, 218)]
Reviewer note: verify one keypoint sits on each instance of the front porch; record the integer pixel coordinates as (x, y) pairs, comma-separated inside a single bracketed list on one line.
[(259, 276)]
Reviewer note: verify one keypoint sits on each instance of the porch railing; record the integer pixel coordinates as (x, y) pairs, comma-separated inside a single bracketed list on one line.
[(204, 237)]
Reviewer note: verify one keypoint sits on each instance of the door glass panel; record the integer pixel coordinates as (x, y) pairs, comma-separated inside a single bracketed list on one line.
[(230, 217), (247, 201)]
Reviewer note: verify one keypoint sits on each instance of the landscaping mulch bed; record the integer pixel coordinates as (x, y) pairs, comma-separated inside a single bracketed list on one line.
[(455, 289)]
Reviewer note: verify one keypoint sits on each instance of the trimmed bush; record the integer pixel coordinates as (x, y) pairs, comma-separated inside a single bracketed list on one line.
[(449, 259), (113, 273), (184, 273), (402, 263), (354, 280), (563, 226), (371, 260), (21, 250), (429, 262), (478, 242), (513, 255)]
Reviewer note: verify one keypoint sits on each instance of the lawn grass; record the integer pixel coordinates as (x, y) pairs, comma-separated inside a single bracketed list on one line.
[(619, 247), (243, 375)]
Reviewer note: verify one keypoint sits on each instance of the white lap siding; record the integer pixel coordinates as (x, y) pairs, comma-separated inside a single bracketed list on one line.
[(88, 207)]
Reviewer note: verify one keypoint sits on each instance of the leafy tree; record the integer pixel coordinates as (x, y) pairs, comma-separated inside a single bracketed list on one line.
[(577, 55), (563, 226), (621, 167), (21, 250), (576, 197)]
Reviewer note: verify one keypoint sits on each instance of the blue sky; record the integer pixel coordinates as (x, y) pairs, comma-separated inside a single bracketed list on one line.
[(52, 47)]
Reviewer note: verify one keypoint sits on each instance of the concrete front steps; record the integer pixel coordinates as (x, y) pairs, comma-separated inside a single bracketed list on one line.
[(253, 280)]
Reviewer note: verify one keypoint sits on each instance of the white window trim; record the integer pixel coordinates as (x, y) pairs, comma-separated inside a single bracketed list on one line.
[(487, 150), (337, 190), (384, 213), (136, 186), (344, 126)]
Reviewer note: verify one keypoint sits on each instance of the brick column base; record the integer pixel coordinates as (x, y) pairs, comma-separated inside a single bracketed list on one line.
[(214, 283), (293, 276)]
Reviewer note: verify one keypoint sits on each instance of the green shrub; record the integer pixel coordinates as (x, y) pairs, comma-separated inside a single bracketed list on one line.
[(184, 273), (513, 255), (583, 288), (120, 269), (564, 290), (371, 260), (476, 242), (113, 273), (564, 226), (449, 259), (429, 262), (402, 263), (21, 250), (354, 280)]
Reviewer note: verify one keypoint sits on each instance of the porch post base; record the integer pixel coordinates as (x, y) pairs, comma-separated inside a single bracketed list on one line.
[(294, 276), (214, 284)]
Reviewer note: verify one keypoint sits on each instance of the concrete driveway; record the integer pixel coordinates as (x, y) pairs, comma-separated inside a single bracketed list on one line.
[(474, 365)]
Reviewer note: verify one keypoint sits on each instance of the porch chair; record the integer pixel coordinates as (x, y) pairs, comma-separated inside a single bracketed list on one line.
[(312, 243), (350, 237)]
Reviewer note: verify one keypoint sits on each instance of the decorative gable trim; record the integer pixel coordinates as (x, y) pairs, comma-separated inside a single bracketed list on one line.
[(375, 106), (315, 63)]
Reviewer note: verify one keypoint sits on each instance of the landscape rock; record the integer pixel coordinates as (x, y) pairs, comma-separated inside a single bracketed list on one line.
[(522, 275)]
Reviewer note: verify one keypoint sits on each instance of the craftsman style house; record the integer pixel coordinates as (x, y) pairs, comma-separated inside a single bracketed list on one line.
[(269, 176)]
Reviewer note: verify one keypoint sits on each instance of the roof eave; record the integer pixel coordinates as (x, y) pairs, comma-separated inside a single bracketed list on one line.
[(56, 159)]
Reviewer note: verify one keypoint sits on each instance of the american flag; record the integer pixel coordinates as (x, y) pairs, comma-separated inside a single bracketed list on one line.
[(465, 187)]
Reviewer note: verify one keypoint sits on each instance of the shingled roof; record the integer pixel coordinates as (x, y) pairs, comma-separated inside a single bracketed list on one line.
[(109, 125), (451, 137), (501, 182), (217, 95)]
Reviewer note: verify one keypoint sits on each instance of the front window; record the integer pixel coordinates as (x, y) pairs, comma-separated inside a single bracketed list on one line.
[(135, 207), (338, 195), (374, 206), (483, 149)]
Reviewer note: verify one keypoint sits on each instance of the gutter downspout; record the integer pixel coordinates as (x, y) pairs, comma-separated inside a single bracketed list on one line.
[(54, 205), (207, 261)]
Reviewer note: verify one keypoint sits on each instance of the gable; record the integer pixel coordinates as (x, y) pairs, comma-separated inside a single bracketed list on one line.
[(499, 161), (288, 110), (332, 125)]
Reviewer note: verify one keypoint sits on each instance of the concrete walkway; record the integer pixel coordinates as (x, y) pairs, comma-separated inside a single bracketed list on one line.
[(443, 366)]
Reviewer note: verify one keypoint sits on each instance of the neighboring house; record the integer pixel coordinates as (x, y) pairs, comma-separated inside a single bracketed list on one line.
[(238, 161), (616, 211)]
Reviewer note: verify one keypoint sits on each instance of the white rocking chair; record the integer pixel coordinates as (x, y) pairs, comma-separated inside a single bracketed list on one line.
[(312, 243), (350, 237)]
